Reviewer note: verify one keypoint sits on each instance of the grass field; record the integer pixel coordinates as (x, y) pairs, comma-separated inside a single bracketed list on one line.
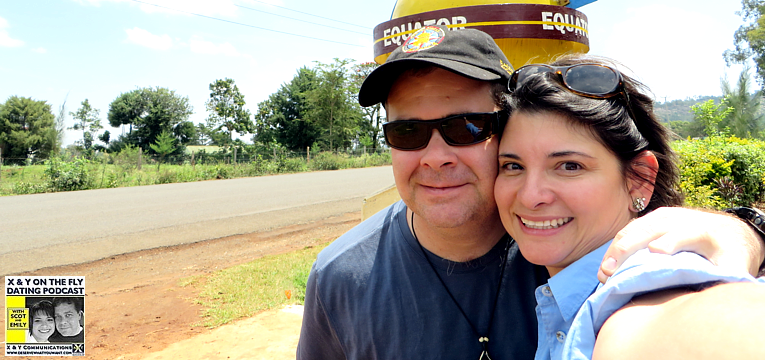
[(81, 174)]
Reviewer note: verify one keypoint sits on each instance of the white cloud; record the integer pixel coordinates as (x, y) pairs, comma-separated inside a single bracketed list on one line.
[(142, 37), (200, 46), (5, 38), (40, 50)]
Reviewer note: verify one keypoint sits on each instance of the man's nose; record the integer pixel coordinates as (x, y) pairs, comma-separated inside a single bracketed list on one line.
[(438, 153)]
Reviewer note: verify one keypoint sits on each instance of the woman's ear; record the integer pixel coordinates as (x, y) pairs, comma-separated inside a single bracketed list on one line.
[(640, 181)]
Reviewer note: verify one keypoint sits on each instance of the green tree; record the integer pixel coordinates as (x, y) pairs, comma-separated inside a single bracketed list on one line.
[(105, 137), (27, 128), (208, 136), (60, 127), (333, 106), (712, 116), (745, 119), (186, 133), (749, 39), (226, 107), (372, 120), (283, 117), (686, 129), (149, 112), (164, 146), (88, 121)]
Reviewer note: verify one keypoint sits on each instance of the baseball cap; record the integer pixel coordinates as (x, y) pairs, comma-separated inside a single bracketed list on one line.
[(468, 52)]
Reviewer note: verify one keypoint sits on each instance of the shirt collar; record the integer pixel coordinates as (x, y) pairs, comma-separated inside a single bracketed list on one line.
[(572, 285)]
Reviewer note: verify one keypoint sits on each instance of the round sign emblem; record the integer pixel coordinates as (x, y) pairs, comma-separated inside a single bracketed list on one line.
[(423, 39)]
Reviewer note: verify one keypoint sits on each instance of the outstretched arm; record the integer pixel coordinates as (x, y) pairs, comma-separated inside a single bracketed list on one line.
[(722, 322), (721, 238)]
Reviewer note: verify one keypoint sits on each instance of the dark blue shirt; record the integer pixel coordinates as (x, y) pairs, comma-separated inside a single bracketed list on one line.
[(372, 295)]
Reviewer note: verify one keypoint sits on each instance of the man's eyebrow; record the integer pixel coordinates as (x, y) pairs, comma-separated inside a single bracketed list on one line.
[(443, 117)]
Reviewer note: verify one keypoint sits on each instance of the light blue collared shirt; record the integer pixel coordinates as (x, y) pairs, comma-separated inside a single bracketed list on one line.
[(573, 306)]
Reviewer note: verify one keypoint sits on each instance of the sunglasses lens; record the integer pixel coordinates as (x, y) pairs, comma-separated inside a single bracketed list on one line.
[(591, 79), (406, 135), (466, 130)]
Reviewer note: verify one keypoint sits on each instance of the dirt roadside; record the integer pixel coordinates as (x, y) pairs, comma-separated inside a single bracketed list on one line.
[(136, 309)]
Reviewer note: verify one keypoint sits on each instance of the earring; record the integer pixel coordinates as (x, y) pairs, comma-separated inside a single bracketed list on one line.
[(639, 204)]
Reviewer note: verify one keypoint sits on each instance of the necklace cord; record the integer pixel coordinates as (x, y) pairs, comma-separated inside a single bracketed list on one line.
[(482, 339)]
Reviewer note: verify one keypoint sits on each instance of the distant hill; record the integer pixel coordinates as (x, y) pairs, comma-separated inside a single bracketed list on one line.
[(680, 110)]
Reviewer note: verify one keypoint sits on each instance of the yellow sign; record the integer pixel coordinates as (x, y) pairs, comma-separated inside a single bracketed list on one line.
[(525, 30), (18, 319)]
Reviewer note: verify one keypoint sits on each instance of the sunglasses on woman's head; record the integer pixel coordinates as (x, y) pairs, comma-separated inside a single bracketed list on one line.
[(588, 80), (591, 80), (456, 130)]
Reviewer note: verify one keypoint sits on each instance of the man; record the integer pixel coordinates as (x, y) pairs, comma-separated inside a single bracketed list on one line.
[(435, 276), (68, 318)]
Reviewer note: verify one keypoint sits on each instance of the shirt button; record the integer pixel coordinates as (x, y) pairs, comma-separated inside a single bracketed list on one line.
[(561, 336), (546, 291)]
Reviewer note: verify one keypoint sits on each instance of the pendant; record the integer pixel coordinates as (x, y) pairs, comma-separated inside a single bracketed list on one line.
[(484, 356)]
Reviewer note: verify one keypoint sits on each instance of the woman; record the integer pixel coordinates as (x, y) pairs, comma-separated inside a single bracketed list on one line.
[(42, 324), (575, 168)]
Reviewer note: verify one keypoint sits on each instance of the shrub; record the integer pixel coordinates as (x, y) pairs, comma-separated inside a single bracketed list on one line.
[(326, 161), (68, 176), (291, 165), (29, 188), (719, 172), (166, 177), (127, 158), (222, 171)]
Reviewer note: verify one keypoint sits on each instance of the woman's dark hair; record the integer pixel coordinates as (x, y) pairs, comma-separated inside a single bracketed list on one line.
[(43, 306), (610, 121)]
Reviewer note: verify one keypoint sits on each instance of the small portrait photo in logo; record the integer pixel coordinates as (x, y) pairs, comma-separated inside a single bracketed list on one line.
[(423, 39), (55, 320)]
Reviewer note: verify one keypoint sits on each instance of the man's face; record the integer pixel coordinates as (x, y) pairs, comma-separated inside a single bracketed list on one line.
[(67, 319), (448, 186)]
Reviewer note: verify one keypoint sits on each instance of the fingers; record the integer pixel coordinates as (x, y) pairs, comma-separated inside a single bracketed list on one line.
[(633, 237), (673, 242), (722, 239), (608, 264)]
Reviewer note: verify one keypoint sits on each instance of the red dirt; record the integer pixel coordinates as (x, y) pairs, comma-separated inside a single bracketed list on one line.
[(135, 307)]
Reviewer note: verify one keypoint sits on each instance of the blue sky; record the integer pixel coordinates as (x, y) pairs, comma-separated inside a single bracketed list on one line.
[(96, 49)]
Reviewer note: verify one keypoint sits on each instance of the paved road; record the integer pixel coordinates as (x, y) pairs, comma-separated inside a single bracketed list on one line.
[(43, 230)]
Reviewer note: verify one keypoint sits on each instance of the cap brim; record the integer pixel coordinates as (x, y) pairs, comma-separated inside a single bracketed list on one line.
[(377, 85)]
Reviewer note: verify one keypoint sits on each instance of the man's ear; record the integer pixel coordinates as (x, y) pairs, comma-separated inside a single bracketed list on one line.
[(640, 181)]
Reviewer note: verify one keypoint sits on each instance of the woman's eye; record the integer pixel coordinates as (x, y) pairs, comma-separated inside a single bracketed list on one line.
[(571, 166), (512, 166)]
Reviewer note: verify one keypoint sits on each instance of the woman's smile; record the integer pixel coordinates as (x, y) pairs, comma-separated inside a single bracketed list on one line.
[(546, 224)]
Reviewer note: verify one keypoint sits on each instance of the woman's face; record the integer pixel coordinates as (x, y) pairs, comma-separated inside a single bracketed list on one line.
[(561, 194), (42, 326)]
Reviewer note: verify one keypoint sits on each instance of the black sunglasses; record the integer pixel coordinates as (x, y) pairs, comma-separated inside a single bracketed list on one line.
[(588, 80), (456, 130)]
